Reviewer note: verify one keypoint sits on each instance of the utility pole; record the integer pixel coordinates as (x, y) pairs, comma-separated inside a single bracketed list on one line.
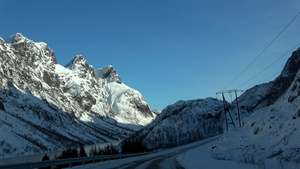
[(226, 106), (237, 106)]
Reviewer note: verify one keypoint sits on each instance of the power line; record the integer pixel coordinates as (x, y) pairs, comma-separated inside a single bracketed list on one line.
[(262, 51), (269, 66)]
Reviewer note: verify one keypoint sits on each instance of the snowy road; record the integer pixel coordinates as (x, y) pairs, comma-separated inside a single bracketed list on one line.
[(166, 159), (162, 161)]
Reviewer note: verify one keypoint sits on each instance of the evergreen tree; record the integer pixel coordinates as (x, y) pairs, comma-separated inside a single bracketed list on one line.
[(113, 149), (93, 151), (106, 150), (82, 152), (45, 158), (100, 152), (69, 153), (133, 146)]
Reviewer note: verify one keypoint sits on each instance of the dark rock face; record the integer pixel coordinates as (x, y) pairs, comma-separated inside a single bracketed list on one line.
[(2, 106), (285, 79), (109, 73), (51, 79), (30, 50)]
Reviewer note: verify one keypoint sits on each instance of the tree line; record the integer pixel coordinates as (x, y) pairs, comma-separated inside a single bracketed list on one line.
[(109, 149)]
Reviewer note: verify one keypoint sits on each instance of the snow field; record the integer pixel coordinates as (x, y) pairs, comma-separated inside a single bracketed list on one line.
[(201, 158)]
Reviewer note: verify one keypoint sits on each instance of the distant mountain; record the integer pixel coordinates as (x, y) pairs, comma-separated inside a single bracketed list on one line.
[(45, 106), (156, 111), (271, 132), (180, 123)]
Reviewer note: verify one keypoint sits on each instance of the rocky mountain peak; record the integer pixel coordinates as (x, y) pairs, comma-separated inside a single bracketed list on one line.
[(79, 63), (17, 38), (1, 41), (35, 53), (109, 73)]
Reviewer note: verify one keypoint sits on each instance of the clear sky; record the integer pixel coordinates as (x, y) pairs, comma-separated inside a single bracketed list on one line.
[(169, 50)]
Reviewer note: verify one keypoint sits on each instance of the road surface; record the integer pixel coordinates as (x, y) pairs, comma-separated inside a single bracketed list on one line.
[(165, 159)]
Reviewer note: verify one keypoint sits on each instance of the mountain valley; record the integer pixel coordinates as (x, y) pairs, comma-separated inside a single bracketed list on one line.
[(45, 106)]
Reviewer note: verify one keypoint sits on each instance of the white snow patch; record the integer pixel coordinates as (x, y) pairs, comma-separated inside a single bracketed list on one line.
[(200, 158)]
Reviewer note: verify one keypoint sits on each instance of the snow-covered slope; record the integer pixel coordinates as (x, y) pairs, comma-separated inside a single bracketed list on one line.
[(45, 106), (271, 132), (181, 123), (129, 105)]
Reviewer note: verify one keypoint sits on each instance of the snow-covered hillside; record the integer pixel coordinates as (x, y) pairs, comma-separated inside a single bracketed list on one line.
[(45, 106), (271, 132), (181, 123)]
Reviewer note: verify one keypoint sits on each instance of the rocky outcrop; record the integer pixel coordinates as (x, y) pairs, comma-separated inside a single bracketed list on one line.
[(108, 73)]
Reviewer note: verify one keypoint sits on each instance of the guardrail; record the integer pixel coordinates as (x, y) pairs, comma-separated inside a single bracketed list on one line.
[(69, 161)]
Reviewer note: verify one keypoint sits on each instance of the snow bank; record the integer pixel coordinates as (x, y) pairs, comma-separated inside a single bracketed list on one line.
[(200, 158)]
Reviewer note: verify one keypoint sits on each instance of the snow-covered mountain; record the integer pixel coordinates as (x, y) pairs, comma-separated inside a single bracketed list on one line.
[(45, 106), (181, 123), (271, 132), (156, 111)]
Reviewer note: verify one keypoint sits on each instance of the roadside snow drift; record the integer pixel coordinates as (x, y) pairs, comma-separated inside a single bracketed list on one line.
[(270, 132)]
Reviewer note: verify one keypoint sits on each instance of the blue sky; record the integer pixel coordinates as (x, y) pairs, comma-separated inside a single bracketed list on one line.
[(169, 50)]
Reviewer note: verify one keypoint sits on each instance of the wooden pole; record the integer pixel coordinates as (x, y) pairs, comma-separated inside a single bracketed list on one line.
[(237, 106), (225, 111)]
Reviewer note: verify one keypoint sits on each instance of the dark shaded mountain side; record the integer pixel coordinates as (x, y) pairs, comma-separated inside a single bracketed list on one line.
[(268, 93), (180, 123)]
